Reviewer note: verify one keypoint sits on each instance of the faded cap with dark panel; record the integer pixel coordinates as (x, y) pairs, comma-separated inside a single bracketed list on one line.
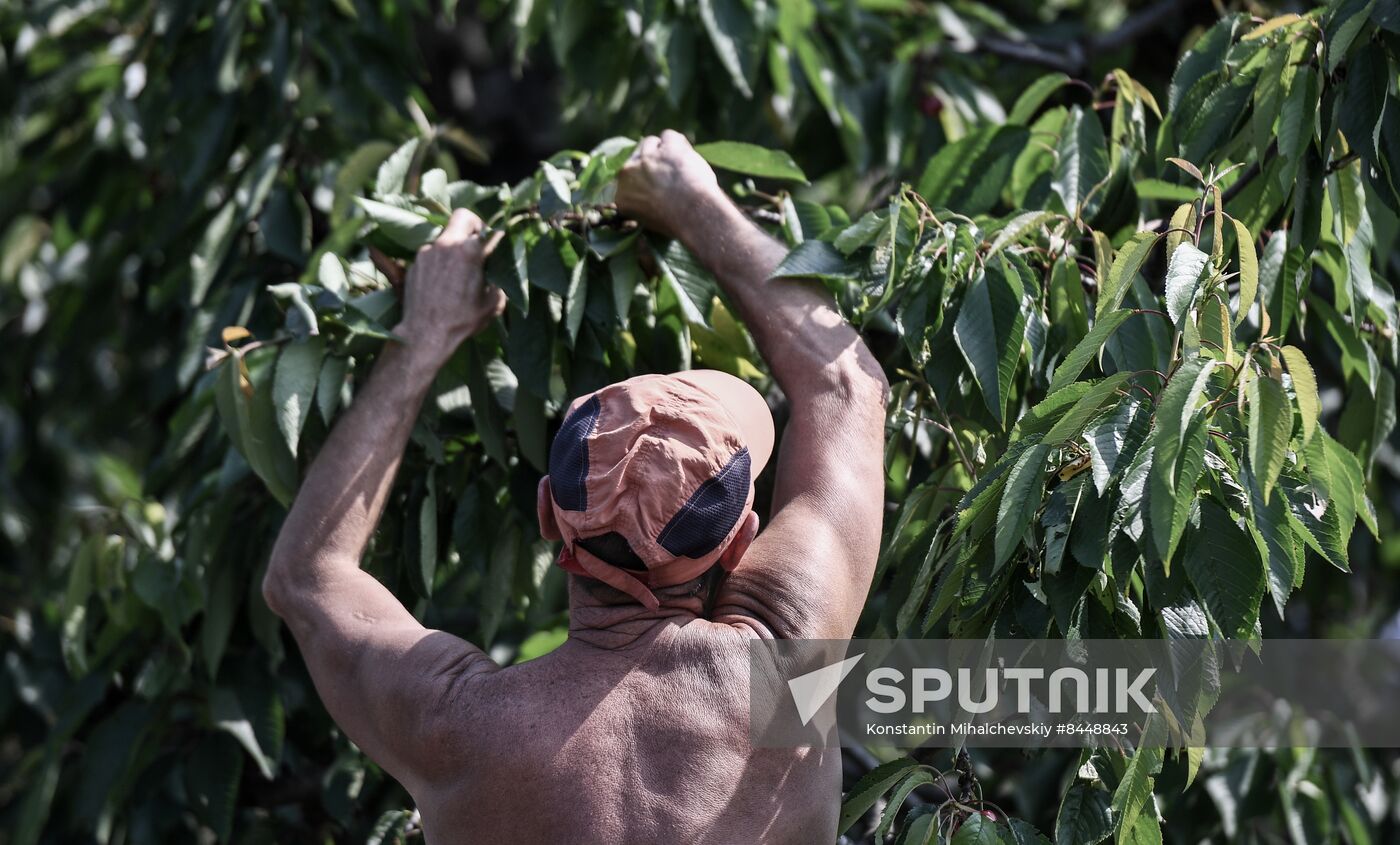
[(652, 477)]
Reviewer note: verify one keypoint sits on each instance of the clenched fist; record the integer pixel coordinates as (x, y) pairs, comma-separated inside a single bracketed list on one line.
[(665, 181), (446, 299)]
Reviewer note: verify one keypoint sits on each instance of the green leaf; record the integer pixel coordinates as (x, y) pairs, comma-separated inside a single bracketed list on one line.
[(391, 828), (530, 347), (1249, 270), (1268, 98), (1184, 273), (968, 174), (531, 429), (912, 781), (1082, 164), (1035, 96), (989, 331), (1134, 793), (920, 828), (1160, 189), (815, 260), (1178, 228), (869, 788), (485, 412), (1144, 831), (393, 172), (1367, 420), (751, 160), (1023, 833), (555, 194), (1295, 125), (210, 252), (425, 571), (354, 172), (1085, 408), (500, 574), (1204, 57), (1320, 526), (1270, 418), (576, 298), (1020, 499), (1212, 122), (219, 611), (625, 276), (1223, 563), (730, 26), (1363, 100), (298, 370), (1335, 474), (1304, 389), (329, 385), (1017, 228), (246, 410), (1188, 167), (109, 750), (330, 274), (1274, 537), (1115, 441), (1177, 405), (253, 716), (1178, 446), (692, 283), (818, 68), (1087, 349), (545, 268), (1343, 25), (405, 228), (1358, 359), (1084, 816), (508, 268), (212, 774), (1126, 265), (977, 829)]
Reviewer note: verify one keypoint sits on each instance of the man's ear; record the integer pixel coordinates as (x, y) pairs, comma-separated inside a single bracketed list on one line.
[(544, 511), (734, 552)]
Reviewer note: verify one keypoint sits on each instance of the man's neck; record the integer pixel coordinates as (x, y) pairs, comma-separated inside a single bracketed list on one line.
[(609, 619)]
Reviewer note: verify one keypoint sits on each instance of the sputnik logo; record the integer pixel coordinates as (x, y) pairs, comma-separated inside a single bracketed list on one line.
[(811, 691)]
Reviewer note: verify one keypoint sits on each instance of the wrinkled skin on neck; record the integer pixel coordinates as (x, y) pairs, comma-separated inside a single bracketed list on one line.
[(609, 619)]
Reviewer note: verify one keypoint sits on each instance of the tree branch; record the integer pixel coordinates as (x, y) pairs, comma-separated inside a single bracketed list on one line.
[(1074, 58), (1071, 61), (1137, 25), (1249, 174)]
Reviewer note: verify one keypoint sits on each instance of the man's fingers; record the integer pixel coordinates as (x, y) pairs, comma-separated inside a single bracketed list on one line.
[(672, 138), (492, 241), (497, 298), (649, 145), (460, 227)]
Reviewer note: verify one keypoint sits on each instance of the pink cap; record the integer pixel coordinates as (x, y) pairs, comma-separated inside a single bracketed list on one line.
[(664, 462)]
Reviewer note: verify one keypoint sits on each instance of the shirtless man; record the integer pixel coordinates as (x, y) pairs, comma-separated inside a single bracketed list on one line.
[(636, 729)]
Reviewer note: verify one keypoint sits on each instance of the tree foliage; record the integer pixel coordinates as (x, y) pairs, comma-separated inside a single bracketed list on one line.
[(1142, 348)]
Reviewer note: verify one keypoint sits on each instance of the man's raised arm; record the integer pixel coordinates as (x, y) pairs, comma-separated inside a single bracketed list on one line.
[(385, 678), (807, 575)]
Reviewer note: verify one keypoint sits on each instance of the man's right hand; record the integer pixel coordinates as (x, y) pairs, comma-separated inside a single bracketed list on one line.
[(446, 297), (664, 182)]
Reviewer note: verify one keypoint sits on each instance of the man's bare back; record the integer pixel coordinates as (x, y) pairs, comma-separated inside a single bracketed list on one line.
[(636, 729), (643, 743)]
